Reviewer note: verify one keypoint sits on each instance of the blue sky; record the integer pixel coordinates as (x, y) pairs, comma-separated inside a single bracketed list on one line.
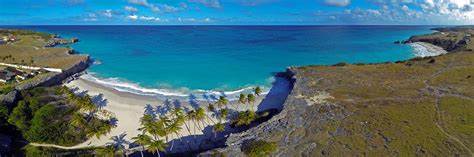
[(242, 12)]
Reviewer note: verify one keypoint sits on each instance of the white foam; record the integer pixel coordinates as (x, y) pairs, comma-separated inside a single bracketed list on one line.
[(125, 86), (423, 51)]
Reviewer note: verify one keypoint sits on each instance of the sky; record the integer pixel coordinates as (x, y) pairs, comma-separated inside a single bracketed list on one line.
[(236, 12)]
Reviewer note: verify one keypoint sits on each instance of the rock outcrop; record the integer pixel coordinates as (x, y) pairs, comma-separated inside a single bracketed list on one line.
[(390, 109), (57, 78)]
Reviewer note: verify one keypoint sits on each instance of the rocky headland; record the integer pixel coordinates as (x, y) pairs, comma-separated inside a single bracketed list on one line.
[(421, 106)]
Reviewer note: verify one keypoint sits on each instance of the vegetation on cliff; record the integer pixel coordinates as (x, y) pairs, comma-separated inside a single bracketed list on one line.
[(421, 106), (54, 116)]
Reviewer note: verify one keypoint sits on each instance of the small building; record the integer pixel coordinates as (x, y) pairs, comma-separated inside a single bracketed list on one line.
[(39, 71), (14, 73), (4, 77)]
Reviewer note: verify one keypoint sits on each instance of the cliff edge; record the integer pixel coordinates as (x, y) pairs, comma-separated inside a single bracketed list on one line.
[(421, 106)]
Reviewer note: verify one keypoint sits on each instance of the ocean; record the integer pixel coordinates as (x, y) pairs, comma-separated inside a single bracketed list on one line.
[(179, 60)]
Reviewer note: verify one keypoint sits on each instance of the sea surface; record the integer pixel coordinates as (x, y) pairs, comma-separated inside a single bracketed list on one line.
[(178, 60)]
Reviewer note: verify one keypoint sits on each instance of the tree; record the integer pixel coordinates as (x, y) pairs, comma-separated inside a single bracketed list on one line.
[(251, 99), (103, 130), (223, 114), (192, 116), (20, 116), (222, 101), (260, 148), (108, 150), (219, 127), (175, 127), (143, 140), (211, 108), (78, 120), (157, 146), (258, 91), (201, 115), (242, 98), (244, 118)]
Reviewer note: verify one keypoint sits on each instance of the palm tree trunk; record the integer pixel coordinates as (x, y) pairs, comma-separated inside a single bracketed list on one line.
[(141, 152), (158, 152), (187, 128), (172, 143), (210, 119)]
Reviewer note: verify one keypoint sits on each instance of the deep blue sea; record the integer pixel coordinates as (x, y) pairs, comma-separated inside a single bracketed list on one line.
[(173, 60)]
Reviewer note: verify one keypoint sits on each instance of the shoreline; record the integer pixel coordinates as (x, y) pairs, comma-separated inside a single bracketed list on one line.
[(423, 49), (128, 108), (165, 93)]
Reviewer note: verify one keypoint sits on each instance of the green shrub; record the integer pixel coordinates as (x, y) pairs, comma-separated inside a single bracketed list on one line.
[(340, 64), (260, 148)]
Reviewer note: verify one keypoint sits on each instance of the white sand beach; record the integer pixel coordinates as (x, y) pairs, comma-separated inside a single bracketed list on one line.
[(423, 49), (128, 108)]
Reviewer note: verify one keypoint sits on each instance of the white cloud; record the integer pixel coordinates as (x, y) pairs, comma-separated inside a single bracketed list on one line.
[(157, 8), (340, 3), (139, 2), (130, 9), (107, 13), (90, 19), (132, 17), (210, 3), (167, 8), (149, 18)]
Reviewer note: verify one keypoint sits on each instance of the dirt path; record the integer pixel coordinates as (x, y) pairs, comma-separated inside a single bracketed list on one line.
[(438, 95)]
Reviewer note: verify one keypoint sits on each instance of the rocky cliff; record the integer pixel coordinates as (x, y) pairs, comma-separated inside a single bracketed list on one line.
[(409, 108), (57, 78)]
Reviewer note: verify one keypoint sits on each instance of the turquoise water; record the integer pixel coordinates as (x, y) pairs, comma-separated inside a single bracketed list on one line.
[(173, 60)]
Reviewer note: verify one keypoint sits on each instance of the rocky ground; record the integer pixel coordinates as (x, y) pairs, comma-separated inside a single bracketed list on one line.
[(421, 106)]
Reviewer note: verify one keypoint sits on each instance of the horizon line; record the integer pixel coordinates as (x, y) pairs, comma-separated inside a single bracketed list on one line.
[(235, 25)]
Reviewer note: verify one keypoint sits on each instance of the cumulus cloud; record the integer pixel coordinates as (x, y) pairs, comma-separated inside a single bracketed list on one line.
[(132, 17), (139, 2), (110, 13), (194, 20), (339, 3), (107, 13), (130, 9), (157, 8), (410, 12), (210, 3), (149, 18)]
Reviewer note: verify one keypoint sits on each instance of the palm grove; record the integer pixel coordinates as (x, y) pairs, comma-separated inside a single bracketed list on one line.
[(45, 115), (157, 130)]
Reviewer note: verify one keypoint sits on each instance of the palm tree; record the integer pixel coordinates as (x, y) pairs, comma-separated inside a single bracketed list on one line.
[(244, 118), (251, 99), (192, 116), (119, 142), (143, 140), (219, 127), (258, 91), (163, 129), (103, 130), (201, 115), (223, 114), (211, 108), (222, 101), (108, 150), (157, 146), (78, 120), (174, 128), (242, 98)]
